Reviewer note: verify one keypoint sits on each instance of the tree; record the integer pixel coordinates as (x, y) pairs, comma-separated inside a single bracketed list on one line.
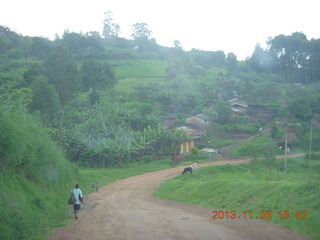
[(96, 74), (260, 60), (223, 110), (110, 28), (291, 55), (34, 70), (140, 31), (62, 72), (8, 39), (45, 99), (231, 62), (82, 45), (314, 71), (39, 47), (177, 45), (301, 103), (208, 59)]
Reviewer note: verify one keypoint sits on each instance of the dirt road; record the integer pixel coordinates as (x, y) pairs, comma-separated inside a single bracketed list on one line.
[(125, 210)]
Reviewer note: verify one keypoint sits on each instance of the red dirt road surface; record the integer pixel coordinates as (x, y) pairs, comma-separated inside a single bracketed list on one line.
[(125, 210)]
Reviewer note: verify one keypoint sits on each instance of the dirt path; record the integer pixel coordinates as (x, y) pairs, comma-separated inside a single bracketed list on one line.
[(125, 210)]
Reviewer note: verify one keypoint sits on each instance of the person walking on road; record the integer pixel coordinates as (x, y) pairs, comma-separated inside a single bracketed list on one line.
[(79, 199)]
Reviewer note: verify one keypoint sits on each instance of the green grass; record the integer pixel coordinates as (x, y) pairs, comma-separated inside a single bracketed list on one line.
[(262, 146), (128, 84), (132, 73), (29, 210), (139, 68), (227, 142), (109, 175), (255, 186)]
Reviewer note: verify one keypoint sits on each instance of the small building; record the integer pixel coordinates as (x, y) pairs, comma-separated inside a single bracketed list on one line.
[(198, 128), (238, 107), (191, 141), (187, 145), (199, 119), (236, 112), (188, 130)]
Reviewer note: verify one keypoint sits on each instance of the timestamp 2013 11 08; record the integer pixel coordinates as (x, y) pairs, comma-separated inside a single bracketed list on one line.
[(263, 214)]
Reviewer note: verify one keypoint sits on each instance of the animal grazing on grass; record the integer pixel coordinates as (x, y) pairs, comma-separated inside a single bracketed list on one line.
[(187, 169)]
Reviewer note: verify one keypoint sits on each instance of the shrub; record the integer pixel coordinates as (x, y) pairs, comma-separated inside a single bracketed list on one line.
[(194, 150)]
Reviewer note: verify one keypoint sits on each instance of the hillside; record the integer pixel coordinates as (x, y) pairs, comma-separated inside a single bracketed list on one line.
[(132, 73), (86, 101)]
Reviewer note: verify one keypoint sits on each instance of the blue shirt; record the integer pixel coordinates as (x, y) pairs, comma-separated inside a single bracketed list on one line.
[(77, 192)]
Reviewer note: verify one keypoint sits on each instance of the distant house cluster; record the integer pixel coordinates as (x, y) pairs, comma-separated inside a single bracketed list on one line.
[(195, 126)]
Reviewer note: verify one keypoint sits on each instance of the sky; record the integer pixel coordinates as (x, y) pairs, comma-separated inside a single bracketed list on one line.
[(227, 25)]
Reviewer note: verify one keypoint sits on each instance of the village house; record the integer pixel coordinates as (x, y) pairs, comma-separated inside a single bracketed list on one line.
[(195, 128), (199, 120), (198, 123), (238, 107), (187, 144)]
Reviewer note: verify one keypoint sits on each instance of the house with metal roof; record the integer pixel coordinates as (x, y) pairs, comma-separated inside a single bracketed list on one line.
[(238, 107)]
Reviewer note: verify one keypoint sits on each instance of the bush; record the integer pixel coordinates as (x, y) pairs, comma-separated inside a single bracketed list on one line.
[(194, 150)]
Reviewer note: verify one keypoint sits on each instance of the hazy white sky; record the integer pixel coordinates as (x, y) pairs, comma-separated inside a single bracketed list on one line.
[(228, 25)]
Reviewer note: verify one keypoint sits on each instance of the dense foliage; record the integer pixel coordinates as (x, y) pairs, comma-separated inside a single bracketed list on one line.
[(71, 85)]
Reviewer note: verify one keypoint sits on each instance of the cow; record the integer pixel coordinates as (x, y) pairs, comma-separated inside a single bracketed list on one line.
[(187, 169)]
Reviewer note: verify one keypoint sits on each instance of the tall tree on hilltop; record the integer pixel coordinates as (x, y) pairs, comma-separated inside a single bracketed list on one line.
[(291, 55), (315, 60), (110, 28), (140, 31), (141, 34)]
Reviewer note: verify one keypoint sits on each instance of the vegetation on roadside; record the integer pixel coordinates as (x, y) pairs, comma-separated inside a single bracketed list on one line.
[(34, 177), (257, 186)]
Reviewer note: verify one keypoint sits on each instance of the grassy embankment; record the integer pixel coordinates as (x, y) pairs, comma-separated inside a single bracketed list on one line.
[(255, 186)]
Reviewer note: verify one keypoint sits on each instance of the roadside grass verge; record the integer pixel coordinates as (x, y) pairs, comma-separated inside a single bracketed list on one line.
[(29, 210), (256, 186)]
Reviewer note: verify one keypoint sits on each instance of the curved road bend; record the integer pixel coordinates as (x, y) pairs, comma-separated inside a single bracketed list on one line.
[(125, 210)]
